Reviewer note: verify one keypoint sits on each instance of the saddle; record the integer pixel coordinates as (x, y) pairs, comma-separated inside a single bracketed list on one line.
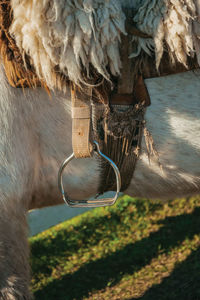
[(108, 118)]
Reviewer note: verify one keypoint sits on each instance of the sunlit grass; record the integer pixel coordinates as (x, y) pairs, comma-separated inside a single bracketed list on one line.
[(137, 249)]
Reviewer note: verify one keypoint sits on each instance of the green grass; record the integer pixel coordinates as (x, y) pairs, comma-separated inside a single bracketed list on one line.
[(137, 249)]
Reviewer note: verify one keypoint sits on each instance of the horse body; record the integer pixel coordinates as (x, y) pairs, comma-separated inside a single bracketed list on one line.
[(40, 140), (36, 137)]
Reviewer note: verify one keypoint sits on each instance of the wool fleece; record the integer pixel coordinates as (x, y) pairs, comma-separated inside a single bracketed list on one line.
[(70, 36)]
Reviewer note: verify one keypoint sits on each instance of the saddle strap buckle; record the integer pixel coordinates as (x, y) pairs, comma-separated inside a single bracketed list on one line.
[(94, 202)]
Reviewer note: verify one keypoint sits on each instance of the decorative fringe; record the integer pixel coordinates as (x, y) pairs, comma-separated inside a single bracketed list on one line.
[(119, 133), (150, 146)]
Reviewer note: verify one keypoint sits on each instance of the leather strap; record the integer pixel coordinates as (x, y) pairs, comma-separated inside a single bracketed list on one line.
[(139, 95), (81, 121), (119, 132)]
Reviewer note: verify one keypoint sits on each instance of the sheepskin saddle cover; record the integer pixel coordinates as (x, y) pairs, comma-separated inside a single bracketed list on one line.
[(52, 42)]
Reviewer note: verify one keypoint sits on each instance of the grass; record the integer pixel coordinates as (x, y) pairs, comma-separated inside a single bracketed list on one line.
[(137, 249)]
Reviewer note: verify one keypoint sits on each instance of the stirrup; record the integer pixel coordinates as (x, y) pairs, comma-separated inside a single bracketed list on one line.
[(95, 202)]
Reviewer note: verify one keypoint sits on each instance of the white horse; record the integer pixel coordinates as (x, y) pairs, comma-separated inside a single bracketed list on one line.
[(36, 128)]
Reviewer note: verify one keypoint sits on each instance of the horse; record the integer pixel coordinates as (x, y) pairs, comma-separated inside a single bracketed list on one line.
[(48, 45)]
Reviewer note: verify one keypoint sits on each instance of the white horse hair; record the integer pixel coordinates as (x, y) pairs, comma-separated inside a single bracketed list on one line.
[(36, 130)]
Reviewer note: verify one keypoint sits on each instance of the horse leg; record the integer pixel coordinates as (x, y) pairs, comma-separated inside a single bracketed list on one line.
[(14, 252), (16, 182), (18, 169)]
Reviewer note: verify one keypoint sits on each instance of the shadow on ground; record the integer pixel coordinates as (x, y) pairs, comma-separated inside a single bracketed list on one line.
[(183, 283)]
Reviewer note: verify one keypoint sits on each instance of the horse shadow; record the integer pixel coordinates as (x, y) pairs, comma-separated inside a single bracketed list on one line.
[(181, 284), (96, 275)]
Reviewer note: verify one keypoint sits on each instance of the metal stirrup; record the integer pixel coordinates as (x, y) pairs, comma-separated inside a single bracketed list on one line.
[(95, 202)]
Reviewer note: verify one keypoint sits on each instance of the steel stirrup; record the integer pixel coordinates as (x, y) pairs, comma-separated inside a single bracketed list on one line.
[(94, 202)]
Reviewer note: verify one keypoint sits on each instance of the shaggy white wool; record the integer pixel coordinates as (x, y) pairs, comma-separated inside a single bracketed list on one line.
[(171, 22), (69, 34)]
